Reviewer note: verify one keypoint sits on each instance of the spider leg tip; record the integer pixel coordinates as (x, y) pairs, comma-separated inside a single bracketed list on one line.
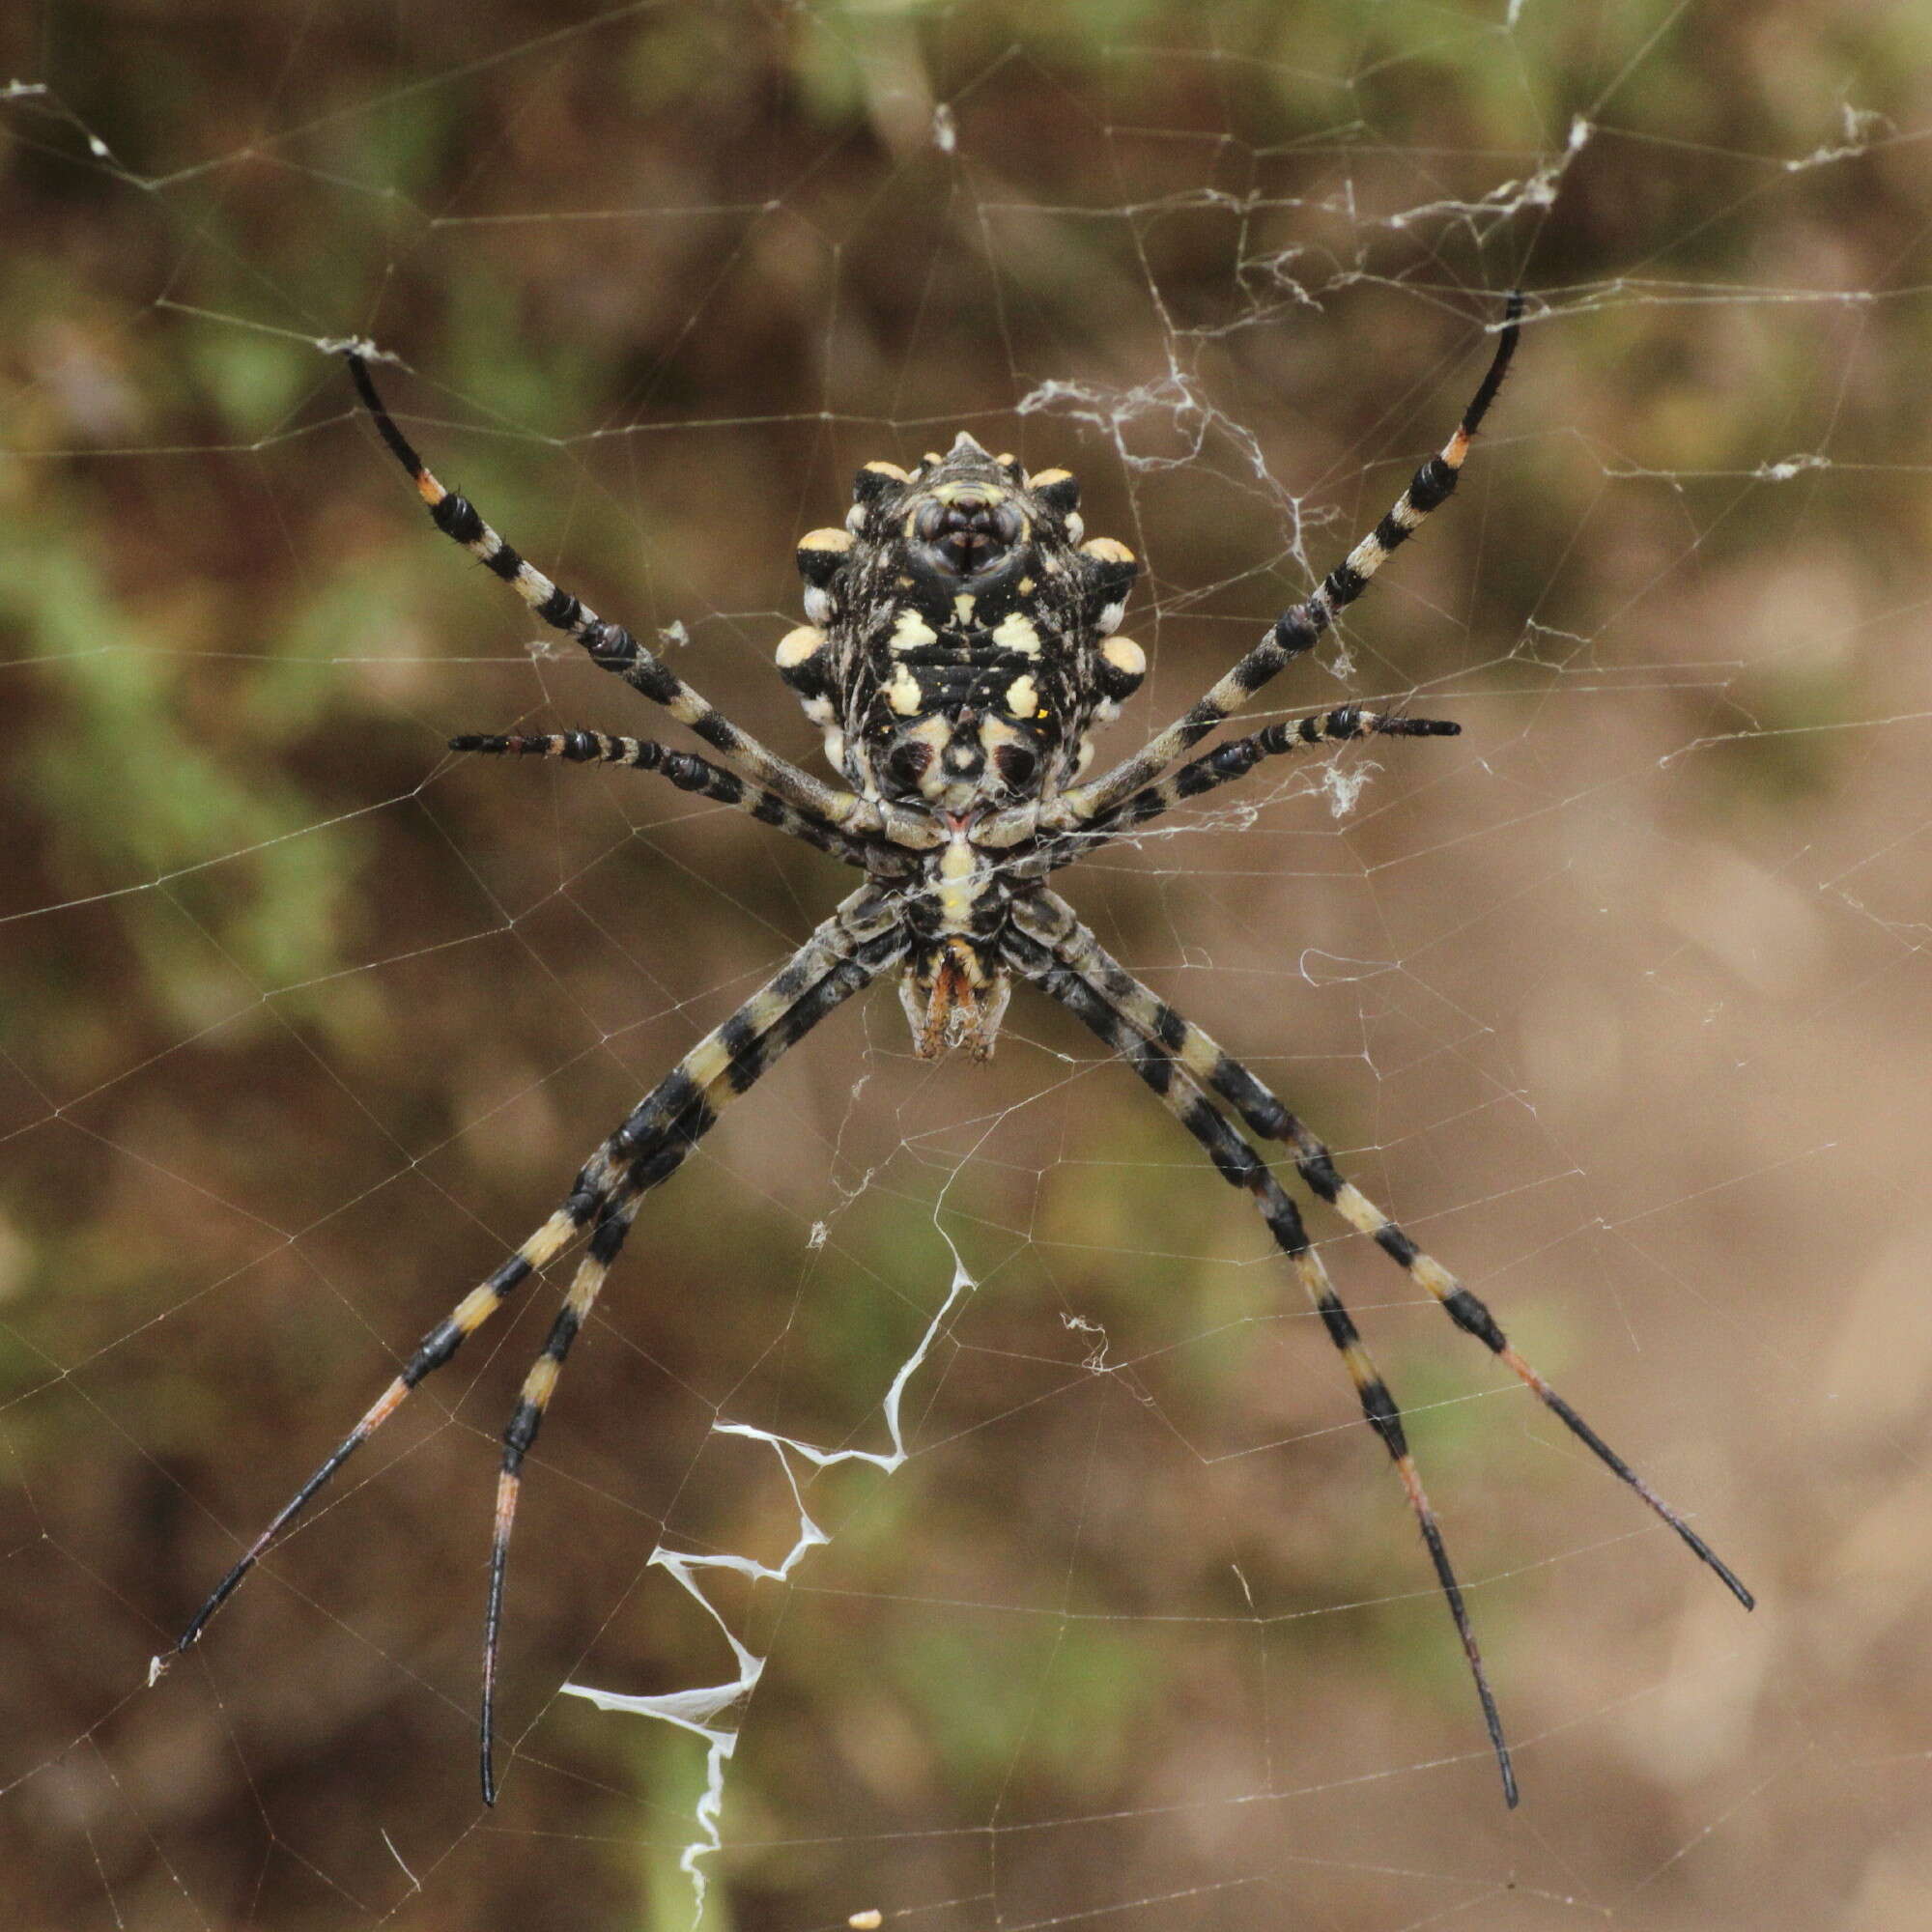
[(193, 1635), (1701, 1549)]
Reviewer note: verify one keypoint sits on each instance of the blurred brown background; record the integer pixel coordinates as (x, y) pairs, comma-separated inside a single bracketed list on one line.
[(1619, 999)]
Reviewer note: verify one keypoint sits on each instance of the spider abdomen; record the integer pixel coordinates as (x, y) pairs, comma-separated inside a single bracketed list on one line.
[(959, 648)]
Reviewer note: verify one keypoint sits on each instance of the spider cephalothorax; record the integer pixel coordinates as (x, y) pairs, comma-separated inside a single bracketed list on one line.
[(960, 652)]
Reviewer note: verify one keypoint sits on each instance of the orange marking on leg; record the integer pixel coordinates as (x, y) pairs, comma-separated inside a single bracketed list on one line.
[(1411, 1481), (1524, 1369), (385, 1405)]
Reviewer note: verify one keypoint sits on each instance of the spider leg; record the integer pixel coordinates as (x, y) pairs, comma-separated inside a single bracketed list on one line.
[(1292, 633), (689, 773), (613, 649), (1238, 1164), (579, 1208), (771, 1021), (1225, 764), (842, 955), (1050, 919)]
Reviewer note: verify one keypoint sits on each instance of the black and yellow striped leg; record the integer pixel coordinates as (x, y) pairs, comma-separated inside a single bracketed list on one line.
[(1315, 1165), (578, 1210), (727, 1063), (613, 649), (862, 933), (687, 771), (1227, 763), (1295, 632), (1241, 1166), (1052, 921)]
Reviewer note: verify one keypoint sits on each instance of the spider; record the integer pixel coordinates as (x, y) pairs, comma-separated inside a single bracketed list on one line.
[(961, 649)]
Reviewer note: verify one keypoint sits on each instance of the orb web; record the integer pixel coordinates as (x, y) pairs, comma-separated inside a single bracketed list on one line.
[(979, 1531)]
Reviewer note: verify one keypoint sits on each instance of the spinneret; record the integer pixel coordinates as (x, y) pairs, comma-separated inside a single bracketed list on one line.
[(958, 657)]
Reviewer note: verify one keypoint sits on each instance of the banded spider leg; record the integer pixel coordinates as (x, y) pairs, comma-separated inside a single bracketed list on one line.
[(1189, 1072), (1293, 634), (613, 648), (844, 954)]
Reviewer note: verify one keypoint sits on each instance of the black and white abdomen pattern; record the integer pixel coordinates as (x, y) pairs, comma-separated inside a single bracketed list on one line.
[(959, 648)]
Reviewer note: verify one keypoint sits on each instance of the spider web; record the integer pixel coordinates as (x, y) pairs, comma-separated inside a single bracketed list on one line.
[(957, 1516)]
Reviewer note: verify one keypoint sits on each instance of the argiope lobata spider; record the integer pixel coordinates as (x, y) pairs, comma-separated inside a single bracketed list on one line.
[(961, 649)]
